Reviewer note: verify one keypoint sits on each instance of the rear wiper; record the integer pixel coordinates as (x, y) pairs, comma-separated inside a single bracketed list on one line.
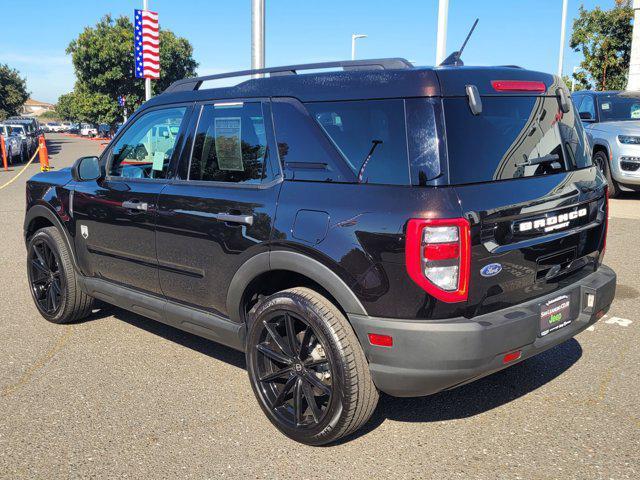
[(368, 157), (552, 158)]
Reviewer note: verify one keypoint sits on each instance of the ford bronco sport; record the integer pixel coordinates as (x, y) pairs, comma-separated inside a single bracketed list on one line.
[(379, 227)]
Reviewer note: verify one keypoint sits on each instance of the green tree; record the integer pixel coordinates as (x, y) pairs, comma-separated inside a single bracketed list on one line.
[(604, 39), (83, 106), (582, 82), (104, 62), (13, 91)]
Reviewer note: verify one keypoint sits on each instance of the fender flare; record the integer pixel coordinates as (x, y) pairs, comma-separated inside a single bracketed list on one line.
[(41, 211), (294, 262), (601, 142)]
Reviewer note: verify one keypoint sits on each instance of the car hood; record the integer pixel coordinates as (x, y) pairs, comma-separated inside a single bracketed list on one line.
[(621, 127)]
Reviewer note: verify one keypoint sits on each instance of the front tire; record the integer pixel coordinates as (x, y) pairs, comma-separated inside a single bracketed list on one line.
[(602, 162), (53, 281), (307, 368)]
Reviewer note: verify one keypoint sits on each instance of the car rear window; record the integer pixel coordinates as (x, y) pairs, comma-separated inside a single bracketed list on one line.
[(370, 135), (509, 137)]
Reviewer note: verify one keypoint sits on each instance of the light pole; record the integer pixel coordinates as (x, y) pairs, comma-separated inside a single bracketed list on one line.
[(354, 37), (562, 34), (441, 38), (257, 35)]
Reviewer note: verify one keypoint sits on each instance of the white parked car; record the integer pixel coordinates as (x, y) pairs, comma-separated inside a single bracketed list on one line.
[(88, 130), (53, 127)]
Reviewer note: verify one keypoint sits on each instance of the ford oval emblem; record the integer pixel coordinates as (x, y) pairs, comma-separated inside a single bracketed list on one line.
[(491, 270)]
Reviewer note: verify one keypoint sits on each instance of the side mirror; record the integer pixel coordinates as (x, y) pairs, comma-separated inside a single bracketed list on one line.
[(85, 169), (586, 116)]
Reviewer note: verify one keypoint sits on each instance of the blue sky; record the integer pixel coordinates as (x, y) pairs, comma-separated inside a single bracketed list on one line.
[(523, 32)]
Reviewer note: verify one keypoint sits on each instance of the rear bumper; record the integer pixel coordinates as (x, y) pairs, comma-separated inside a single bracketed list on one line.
[(429, 356)]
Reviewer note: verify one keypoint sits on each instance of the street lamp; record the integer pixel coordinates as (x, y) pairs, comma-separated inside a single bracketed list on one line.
[(354, 37)]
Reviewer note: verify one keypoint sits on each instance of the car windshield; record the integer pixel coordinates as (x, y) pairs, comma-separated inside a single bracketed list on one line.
[(16, 129), (619, 106)]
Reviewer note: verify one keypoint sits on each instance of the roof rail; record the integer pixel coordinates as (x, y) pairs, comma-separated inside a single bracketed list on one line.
[(189, 84)]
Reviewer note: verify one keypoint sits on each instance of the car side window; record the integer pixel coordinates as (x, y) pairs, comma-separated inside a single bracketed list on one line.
[(588, 106), (230, 144), (370, 135), (146, 148)]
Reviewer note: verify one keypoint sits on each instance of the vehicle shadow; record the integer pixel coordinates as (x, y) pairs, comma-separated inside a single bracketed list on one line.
[(480, 396), (194, 342), (466, 401), (55, 146)]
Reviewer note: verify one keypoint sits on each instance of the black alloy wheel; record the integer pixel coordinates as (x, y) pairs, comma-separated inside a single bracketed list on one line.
[(307, 368), (293, 371), (47, 282), (54, 283)]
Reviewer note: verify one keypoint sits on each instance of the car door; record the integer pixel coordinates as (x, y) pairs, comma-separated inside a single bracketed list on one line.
[(115, 215), (220, 210)]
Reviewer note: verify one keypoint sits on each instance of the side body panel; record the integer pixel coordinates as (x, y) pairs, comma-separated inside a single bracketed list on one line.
[(199, 254), (357, 231)]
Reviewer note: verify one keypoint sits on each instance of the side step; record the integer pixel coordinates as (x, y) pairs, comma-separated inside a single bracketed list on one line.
[(198, 322)]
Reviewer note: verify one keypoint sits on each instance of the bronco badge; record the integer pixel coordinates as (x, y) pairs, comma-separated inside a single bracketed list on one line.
[(551, 222)]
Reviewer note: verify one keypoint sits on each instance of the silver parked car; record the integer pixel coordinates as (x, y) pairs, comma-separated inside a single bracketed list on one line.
[(612, 121), (15, 142)]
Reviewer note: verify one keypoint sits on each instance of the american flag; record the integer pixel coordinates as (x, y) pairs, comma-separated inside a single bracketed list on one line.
[(147, 44)]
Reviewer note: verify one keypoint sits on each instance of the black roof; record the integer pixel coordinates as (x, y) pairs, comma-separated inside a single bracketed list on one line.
[(362, 79)]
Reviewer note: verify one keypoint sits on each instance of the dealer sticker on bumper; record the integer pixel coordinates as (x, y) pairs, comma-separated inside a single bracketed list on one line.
[(554, 315)]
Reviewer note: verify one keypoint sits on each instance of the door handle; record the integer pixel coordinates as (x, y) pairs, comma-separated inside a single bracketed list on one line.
[(226, 217), (135, 205)]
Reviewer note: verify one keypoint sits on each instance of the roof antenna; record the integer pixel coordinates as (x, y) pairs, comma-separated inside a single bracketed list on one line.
[(454, 59)]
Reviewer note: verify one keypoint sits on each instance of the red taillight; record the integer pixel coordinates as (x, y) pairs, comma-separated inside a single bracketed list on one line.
[(380, 340), (438, 257), (518, 86), (441, 251)]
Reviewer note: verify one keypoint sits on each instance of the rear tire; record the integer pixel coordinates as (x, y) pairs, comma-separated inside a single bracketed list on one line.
[(602, 162), (314, 385), (53, 281)]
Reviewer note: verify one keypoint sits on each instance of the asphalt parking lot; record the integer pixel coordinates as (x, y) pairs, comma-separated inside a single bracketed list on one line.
[(118, 395)]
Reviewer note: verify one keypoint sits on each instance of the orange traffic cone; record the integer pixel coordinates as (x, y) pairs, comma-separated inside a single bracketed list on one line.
[(43, 154), (3, 147)]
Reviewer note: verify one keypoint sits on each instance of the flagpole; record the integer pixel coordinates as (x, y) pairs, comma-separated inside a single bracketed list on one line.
[(147, 81)]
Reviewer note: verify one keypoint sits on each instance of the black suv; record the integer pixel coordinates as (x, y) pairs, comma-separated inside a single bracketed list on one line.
[(376, 228)]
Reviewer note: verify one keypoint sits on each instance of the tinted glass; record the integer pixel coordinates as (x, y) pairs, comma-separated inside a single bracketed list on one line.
[(370, 135), (305, 152), (588, 106), (513, 137), (146, 148), (230, 144), (623, 106), (424, 130)]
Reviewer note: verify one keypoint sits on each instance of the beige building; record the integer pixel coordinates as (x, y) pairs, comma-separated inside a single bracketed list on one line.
[(34, 107)]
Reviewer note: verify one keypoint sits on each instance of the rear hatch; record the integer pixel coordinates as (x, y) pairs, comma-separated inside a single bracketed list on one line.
[(522, 171)]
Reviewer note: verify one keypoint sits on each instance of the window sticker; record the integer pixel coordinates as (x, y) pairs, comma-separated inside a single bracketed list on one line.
[(158, 161), (228, 135), (635, 110), (605, 106)]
